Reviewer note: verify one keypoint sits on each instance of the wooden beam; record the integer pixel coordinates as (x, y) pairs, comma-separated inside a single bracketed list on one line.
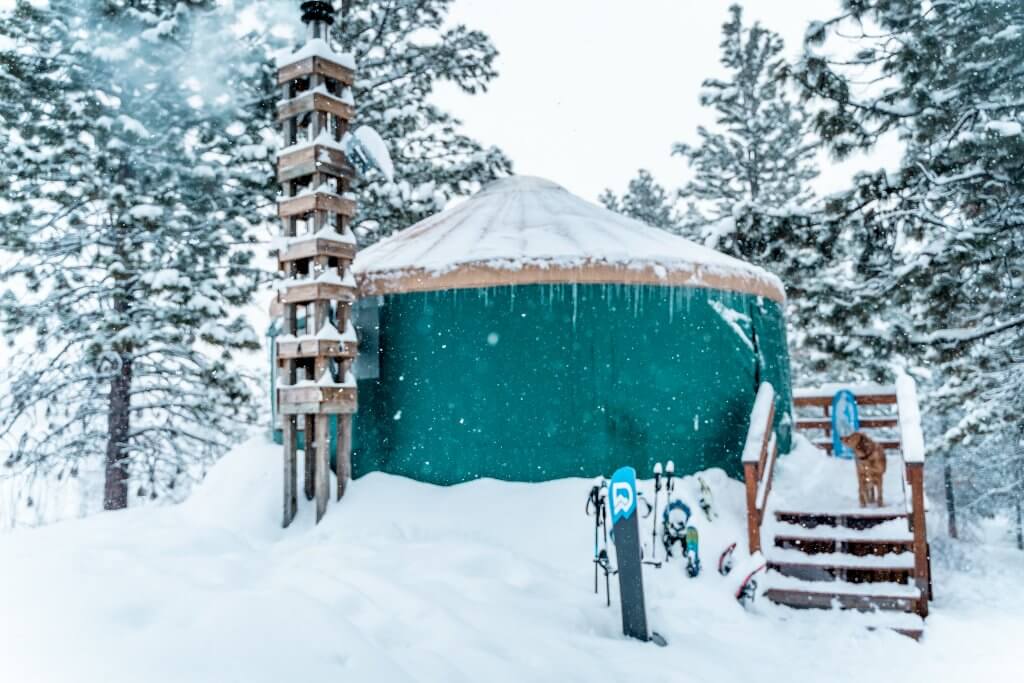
[(291, 506), (311, 348), (314, 101), (322, 466), (750, 479), (315, 65), (317, 201), (312, 399), (313, 159), (887, 444), (343, 454), (862, 400), (915, 478), (312, 247), (316, 291), (308, 449), (865, 422)]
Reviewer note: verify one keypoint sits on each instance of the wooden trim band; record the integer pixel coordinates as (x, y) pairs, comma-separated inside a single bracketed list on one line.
[(478, 274)]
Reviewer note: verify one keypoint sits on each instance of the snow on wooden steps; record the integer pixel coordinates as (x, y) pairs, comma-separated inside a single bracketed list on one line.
[(895, 561), (794, 592), (889, 511), (905, 623), (895, 530)]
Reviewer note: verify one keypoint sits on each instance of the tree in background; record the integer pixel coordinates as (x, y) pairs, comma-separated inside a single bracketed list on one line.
[(131, 181), (139, 141), (403, 51), (646, 201), (758, 158), (751, 173), (938, 244), (138, 161)]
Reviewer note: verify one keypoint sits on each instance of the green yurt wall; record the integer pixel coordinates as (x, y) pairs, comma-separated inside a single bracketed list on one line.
[(537, 382)]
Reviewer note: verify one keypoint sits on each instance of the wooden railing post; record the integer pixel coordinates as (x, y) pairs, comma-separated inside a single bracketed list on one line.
[(753, 516), (912, 445), (915, 477), (758, 461)]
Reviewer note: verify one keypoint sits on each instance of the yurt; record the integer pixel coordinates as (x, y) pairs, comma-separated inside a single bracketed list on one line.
[(527, 334)]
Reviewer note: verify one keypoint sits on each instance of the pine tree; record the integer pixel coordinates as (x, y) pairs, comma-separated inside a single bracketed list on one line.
[(758, 158), (403, 51), (939, 259), (131, 182), (751, 176), (646, 201), (138, 138)]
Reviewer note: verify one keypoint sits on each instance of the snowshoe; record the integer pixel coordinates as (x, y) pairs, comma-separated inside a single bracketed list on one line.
[(725, 560), (674, 521)]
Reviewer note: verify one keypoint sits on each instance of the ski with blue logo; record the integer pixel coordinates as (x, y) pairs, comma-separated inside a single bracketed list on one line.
[(622, 497)]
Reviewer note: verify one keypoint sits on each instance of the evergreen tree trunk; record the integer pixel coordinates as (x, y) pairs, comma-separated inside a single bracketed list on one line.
[(1020, 522), (115, 494), (115, 491), (947, 475), (1020, 497)]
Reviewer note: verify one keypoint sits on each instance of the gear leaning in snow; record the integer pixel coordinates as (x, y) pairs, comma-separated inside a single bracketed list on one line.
[(622, 498)]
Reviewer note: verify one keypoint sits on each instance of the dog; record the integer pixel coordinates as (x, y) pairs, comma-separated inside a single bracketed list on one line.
[(870, 457)]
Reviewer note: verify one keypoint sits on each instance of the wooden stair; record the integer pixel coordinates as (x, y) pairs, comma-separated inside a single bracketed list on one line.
[(848, 560), (871, 564)]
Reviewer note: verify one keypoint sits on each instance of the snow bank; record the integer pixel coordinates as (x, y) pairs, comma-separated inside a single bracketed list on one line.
[(486, 581), (810, 480)]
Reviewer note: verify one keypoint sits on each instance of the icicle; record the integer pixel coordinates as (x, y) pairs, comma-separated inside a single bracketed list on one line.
[(575, 304)]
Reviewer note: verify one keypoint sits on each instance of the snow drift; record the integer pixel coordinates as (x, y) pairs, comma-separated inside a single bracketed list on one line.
[(485, 581)]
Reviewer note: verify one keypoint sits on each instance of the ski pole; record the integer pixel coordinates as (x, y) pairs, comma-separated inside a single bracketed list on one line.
[(670, 471), (592, 503), (654, 524)]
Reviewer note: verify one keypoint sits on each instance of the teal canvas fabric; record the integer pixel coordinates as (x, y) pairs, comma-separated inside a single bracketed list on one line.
[(538, 382)]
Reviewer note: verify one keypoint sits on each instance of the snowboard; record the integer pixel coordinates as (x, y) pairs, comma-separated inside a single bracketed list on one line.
[(845, 421), (692, 551), (622, 497)]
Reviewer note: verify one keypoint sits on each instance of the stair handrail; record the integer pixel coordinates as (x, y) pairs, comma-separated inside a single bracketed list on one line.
[(759, 453), (912, 449)]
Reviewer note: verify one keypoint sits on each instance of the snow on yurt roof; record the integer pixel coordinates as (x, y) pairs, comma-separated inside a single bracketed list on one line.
[(525, 230)]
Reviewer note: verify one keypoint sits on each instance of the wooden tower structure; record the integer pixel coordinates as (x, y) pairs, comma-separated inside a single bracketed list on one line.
[(315, 253)]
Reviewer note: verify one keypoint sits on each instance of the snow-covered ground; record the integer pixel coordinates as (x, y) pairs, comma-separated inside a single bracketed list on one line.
[(486, 581)]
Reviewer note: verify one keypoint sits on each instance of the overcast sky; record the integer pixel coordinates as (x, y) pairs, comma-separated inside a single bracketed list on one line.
[(591, 90)]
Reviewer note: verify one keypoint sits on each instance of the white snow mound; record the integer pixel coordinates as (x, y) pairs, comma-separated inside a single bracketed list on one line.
[(403, 581)]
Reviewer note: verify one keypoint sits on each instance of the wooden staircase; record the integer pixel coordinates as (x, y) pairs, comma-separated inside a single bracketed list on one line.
[(869, 561)]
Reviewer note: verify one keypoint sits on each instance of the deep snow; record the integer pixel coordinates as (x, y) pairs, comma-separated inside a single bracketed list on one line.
[(485, 581)]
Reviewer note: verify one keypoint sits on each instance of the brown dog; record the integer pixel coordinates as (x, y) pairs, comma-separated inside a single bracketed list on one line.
[(870, 457)]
